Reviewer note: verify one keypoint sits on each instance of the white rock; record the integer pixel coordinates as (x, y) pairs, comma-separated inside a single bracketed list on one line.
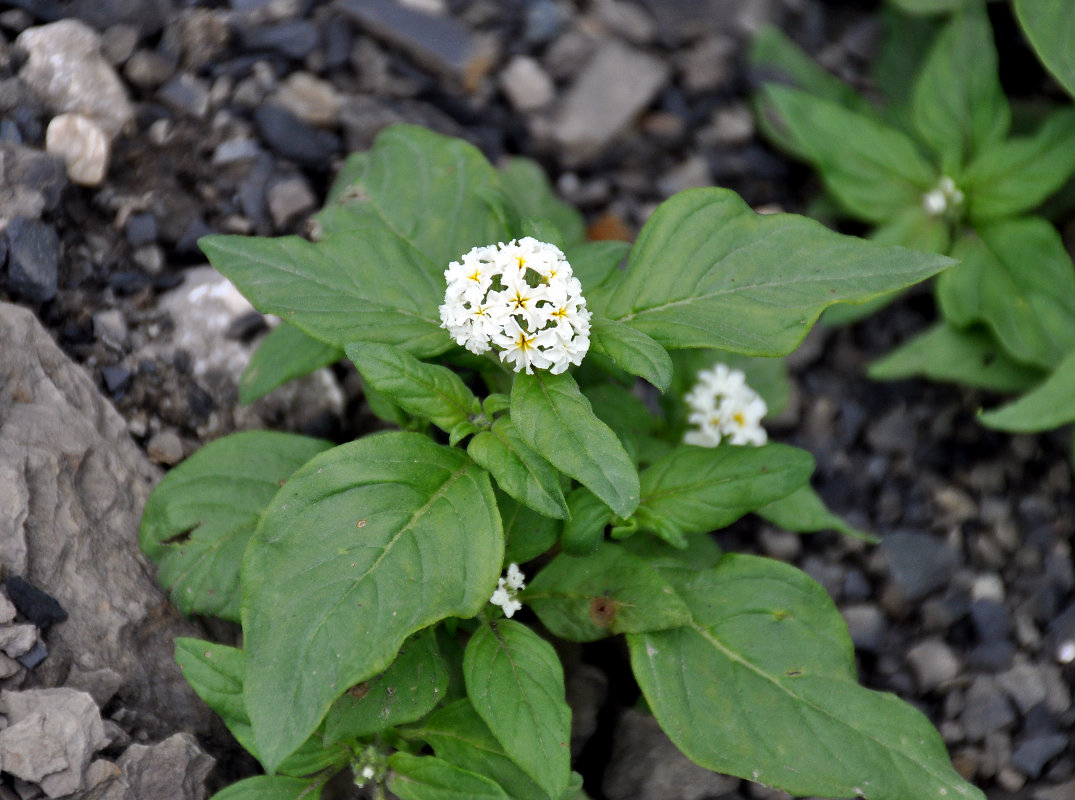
[(17, 640), (527, 86), (290, 199), (309, 98), (7, 610), (65, 67), (82, 145)]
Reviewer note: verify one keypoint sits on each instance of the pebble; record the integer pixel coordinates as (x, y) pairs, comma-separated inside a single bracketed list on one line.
[(7, 610), (233, 151), (1033, 753), (110, 326), (294, 139), (65, 67), (141, 229), (626, 20), (918, 563), (118, 43), (148, 69), (82, 145), (987, 709), (203, 37), (543, 21), (292, 38), (165, 448), (42, 609), (186, 94), (866, 625), (689, 174), (782, 545), (527, 86), (18, 640), (933, 663), (707, 65), (309, 98), (33, 259), (290, 199), (615, 86)]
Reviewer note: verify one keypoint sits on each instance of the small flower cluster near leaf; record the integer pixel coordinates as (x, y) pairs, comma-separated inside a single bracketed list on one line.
[(374, 579), (947, 165)]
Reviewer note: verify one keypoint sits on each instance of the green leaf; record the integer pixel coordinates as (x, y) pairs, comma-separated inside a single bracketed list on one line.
[(698, 489), (1018, 174), (929, 6), (527, 534), (608, 592), (427, 188), (1051, 32), (271, 787), (874, 171), (945, 353), (584, 530), (526, 185), (339, 290), (553, 417), (518, 470), (632, 351), (322, 608), (744, 282), (905, 41), (457, 735), (215, 672), (429, 391), (430, 778), (516, 684), (959, 107), (593, 263), (762, 685), (199, 518), (284, 354), (1048, 406), (408, 690), (701, 552), (1031, 310), (620, 409), (803, 511)]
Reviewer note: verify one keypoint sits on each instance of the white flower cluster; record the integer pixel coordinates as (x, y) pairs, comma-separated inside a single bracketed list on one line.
[(937, 201), (520, 299), (506, 588), (723, 406)]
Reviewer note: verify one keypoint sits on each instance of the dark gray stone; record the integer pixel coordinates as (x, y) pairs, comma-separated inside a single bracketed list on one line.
[(544, 20), (141, 229), (1030, 756), (294, 139), (987, 710), (175, 768), (292, 38), (992, 620), (33, 259), (918, 563), (186, 94)]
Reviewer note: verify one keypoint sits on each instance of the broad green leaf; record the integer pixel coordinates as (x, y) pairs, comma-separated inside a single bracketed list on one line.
[(427, 188), (457, 735), (623, 411), (584, 530), (408, 690), (762, 685), (339, 291), (698, 489), (874, 171), (803, 511), (284, 354), (430, 778), (199, 518), (709, 272), (271, 787), (959, 107), (429, 391), (1018, 279), (945, 353), (632, 351), (215, 672), (518, 470), (322, 607), (1051, 31), (526, 185), (775, 58), (608, 592), (593, 263), (1047, 406), (516, 684), (701, 552), (527, 534), (553, 417), (384, 409), (905, 41), (929, 6), (1018, 174)]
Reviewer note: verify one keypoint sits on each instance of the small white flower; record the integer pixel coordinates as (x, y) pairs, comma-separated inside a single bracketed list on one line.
[(509, 585), (520, 299), (724, 407), (946, 195)]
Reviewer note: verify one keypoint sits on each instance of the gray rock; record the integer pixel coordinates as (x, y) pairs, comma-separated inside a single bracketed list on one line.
[(1024, 683), (933, 663), (544, 20), (233, 151), (141, 229), (118, 43), (1030, 756), (866, 625), (645, 765), (203, 36), (292, 138), (175, 768), (893, 433), (101, 684), (7, 610), (82, 145), (51, 737), (290, 199), (616, 85), (987, 710), (626, 20), (918, 563), (587, 692), (165, 448), (992, 620), (72, 487), (527, 86), (186, 94), (294, 38), (66, 68), (309, 98), (33, 182), (33, 259), (708, 64), (17, 640), (148, 69), (689, 174)]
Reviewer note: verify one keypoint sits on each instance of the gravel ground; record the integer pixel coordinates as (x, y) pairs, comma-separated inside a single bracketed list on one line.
[(183, 118)]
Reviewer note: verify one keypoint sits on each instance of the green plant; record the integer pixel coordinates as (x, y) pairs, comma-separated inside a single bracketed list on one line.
[(937, 169), (369, 578)]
